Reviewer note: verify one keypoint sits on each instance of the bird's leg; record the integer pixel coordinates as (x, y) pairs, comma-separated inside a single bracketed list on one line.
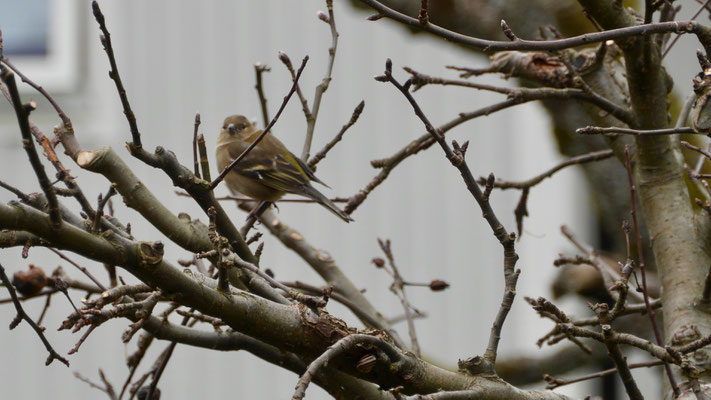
[(253, 215)]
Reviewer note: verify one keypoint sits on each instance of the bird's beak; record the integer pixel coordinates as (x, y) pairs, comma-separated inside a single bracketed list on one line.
[(231, 128)]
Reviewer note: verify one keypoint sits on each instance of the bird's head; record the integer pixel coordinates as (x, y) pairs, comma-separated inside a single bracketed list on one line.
[(236, 124)]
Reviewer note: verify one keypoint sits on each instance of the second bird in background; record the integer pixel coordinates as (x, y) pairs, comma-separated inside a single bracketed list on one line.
[(269, 170)]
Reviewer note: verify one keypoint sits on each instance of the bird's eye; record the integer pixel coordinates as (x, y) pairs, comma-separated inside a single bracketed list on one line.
[(241, 126)]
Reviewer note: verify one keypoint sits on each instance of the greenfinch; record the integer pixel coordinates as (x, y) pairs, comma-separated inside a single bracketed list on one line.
[(269, 170)]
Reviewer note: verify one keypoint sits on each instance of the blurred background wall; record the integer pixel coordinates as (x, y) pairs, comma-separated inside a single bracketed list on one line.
[(177, 58)]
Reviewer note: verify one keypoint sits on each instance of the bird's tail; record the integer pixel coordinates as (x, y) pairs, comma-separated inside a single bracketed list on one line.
[(324, 201)]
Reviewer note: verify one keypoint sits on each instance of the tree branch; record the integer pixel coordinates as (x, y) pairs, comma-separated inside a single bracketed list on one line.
[(702, 32), (21, 315), (22, 112), (456, 157), (296, 329), (105, 38), (323, 86)]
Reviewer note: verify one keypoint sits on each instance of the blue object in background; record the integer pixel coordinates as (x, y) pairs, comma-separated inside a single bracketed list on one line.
[(25, 27)]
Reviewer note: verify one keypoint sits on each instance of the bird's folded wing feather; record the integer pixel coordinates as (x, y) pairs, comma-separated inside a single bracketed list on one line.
[(274, 171)]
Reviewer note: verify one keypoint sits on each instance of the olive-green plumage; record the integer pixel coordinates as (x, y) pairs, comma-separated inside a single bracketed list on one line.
[(269, 170)]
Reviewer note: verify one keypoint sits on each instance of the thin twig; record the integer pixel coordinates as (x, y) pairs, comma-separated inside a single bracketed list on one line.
[(284, 58), (237, 198), (79, 267), (47, 303), (253, 215), (619, 338), (581, 159), (398, 287), (696, 14), (241, 199), (490, 46), (100, 209), (163, 363), (521, 209), (196, 161), (62, 115), (17, 192), (321, 154), (558, 382), (22, 112), (420, 80), (703, 152), (327, 267), (596, 130), (695, 345), (425, 141), (333, 351), (359, 312), (219, 244), (613, 350), (256, 141), (22, 315), (610, 274), (259, 69), (144, 341), (48, 146), (105, 38), (456, 156), (107, 388), (204, 163), (234, 259), (640, 262), (323, 86)]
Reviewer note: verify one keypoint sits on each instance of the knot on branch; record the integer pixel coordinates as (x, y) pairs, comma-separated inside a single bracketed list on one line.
[(701, 119), (150, 253), (419, 80), (476, 365), (685, 335), (330, 328)]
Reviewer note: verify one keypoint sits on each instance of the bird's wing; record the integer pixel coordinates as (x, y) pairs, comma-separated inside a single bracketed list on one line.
[(308, 170), (275, 171), (289, 157)]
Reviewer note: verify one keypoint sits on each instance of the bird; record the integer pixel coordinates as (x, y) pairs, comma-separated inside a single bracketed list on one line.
[(269, 170)]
